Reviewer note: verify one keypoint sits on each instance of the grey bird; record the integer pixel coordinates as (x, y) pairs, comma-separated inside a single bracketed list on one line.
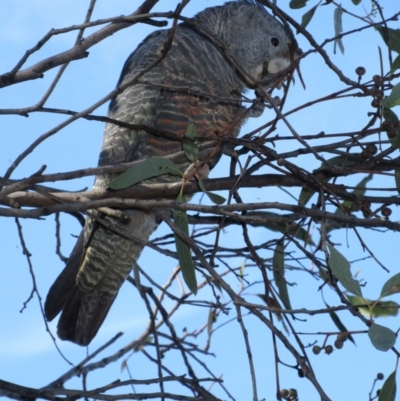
[(213, 59)]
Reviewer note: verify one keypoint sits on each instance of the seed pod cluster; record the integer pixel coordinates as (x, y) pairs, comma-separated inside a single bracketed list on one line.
[(290, 394), (339, 342)]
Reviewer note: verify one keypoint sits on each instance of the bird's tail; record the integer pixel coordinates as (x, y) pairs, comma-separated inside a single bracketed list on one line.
[(99, 264)]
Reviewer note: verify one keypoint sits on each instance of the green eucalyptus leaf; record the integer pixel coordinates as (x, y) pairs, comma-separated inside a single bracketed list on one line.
[(357, 301), (183, 251), (191, 146), (392, 286), (382, 338), (294, 4), (385, 309), (290, 229), (379, 309), (242, 269), (340, 267), (391, 116), (391, 37), (272, 303), (347, 160), (388, 390), (305, 195), (217, 199), (394, 98), (210, 321), (191, 131), (338, 323), (306, 18), (144, 170), (337, 22), (278, 265), (360, 189), (396, 64)]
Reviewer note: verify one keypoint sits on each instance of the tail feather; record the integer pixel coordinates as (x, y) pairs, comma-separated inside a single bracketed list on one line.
[(83, 312), (99, 264), (65, 283), (82, 317)]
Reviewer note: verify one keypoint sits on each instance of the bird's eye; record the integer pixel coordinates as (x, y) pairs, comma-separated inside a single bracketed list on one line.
[(275, 41)]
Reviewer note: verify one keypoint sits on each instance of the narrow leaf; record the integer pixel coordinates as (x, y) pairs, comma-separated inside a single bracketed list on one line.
[(374, 308), (190, 146), (294, 230), (149, 168), (340, 267), (338, 323), (382, 338), (360, 189), (217, 199), (391, 116), (391, 37), (392, 286), (294, 4), (347, 160), (184, 253), (388, 390), (242, 269), (385, 309), (278, 265), (306, 18), (337, 22), (394, 98), (396, 64), (305, 195), (357, 301), (210, 321), (271, 303)]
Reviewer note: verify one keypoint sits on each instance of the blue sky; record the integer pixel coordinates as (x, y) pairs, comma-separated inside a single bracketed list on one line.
[(27, 354)]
